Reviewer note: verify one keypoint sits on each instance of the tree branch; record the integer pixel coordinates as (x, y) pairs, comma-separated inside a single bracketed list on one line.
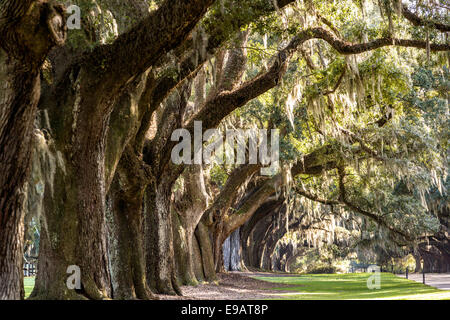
[(228, 193), (348, 48), (173, 75), (338, 83), (420, 22), (138, 49), (11, 11), (355, 138), (355, 208), (315, 198), (228, 101)]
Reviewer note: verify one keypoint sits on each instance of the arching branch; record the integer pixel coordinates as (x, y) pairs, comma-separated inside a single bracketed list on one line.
[(347, 48), (315, 198), (138, 49), (343, 198), (228, 101), (420, 22)]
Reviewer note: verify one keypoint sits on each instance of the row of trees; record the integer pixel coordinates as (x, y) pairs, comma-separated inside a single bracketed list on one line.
[(86, 132)]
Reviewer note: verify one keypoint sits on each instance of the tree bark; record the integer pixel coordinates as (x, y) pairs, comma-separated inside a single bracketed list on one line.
[(232, 252), (226, 254), (29, 30), (59, 233), (159, 249), (198, 262), (126, 248), (79, 200), (206, 248), (16, 120), (189, 206), (184, 252)]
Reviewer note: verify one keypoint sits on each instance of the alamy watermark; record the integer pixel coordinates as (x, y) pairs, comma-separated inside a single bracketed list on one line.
[(74, 280), (374, 281), (74, 18), (235, 146)]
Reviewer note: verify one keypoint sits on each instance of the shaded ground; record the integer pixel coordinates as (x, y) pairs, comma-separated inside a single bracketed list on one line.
[(437, 280), (234, 286)]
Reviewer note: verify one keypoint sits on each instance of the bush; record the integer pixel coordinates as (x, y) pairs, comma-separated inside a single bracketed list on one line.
[(324, 269)]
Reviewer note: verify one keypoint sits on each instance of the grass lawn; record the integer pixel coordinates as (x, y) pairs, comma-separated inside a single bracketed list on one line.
[(354, 286), (29, 285)]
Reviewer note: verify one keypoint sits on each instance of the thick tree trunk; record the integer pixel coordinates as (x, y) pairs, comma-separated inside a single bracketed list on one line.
[(206, 248), (18, 105), (418, 261), (198, 262), (159, 248), (232, 252), (75, 193), (59, 232), (28, 32), (226, 252), (189, 205), (74, 212), (235, 257), (161, 273), (184, 252), (91, 195), (126, 243), (73, 232)]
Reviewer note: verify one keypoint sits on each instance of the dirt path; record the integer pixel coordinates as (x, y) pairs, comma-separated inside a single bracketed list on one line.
[(233, 286), (437, 280)]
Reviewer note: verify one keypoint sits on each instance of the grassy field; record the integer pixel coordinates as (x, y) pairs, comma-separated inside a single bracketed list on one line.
[(354, 286), (29, 285)]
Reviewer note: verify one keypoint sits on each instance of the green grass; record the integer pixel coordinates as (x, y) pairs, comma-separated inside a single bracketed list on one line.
[(29, 285), (354, 286)]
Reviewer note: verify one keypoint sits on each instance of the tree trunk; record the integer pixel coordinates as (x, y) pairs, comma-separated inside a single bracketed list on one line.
[(198, 262), (226, 254), (206, 249), (74, 222), (29, 30), (218, 239), (59, 233), (189, 205), (418, 261), (161, 273), (71, 235), (18, 106), (81, 101), (235, 258), (232, 252), (126, 244), (184, 252)]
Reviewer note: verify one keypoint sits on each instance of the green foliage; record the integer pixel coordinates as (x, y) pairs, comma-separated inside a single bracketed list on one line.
[(327, 259), (218, 176), (389, 83)]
